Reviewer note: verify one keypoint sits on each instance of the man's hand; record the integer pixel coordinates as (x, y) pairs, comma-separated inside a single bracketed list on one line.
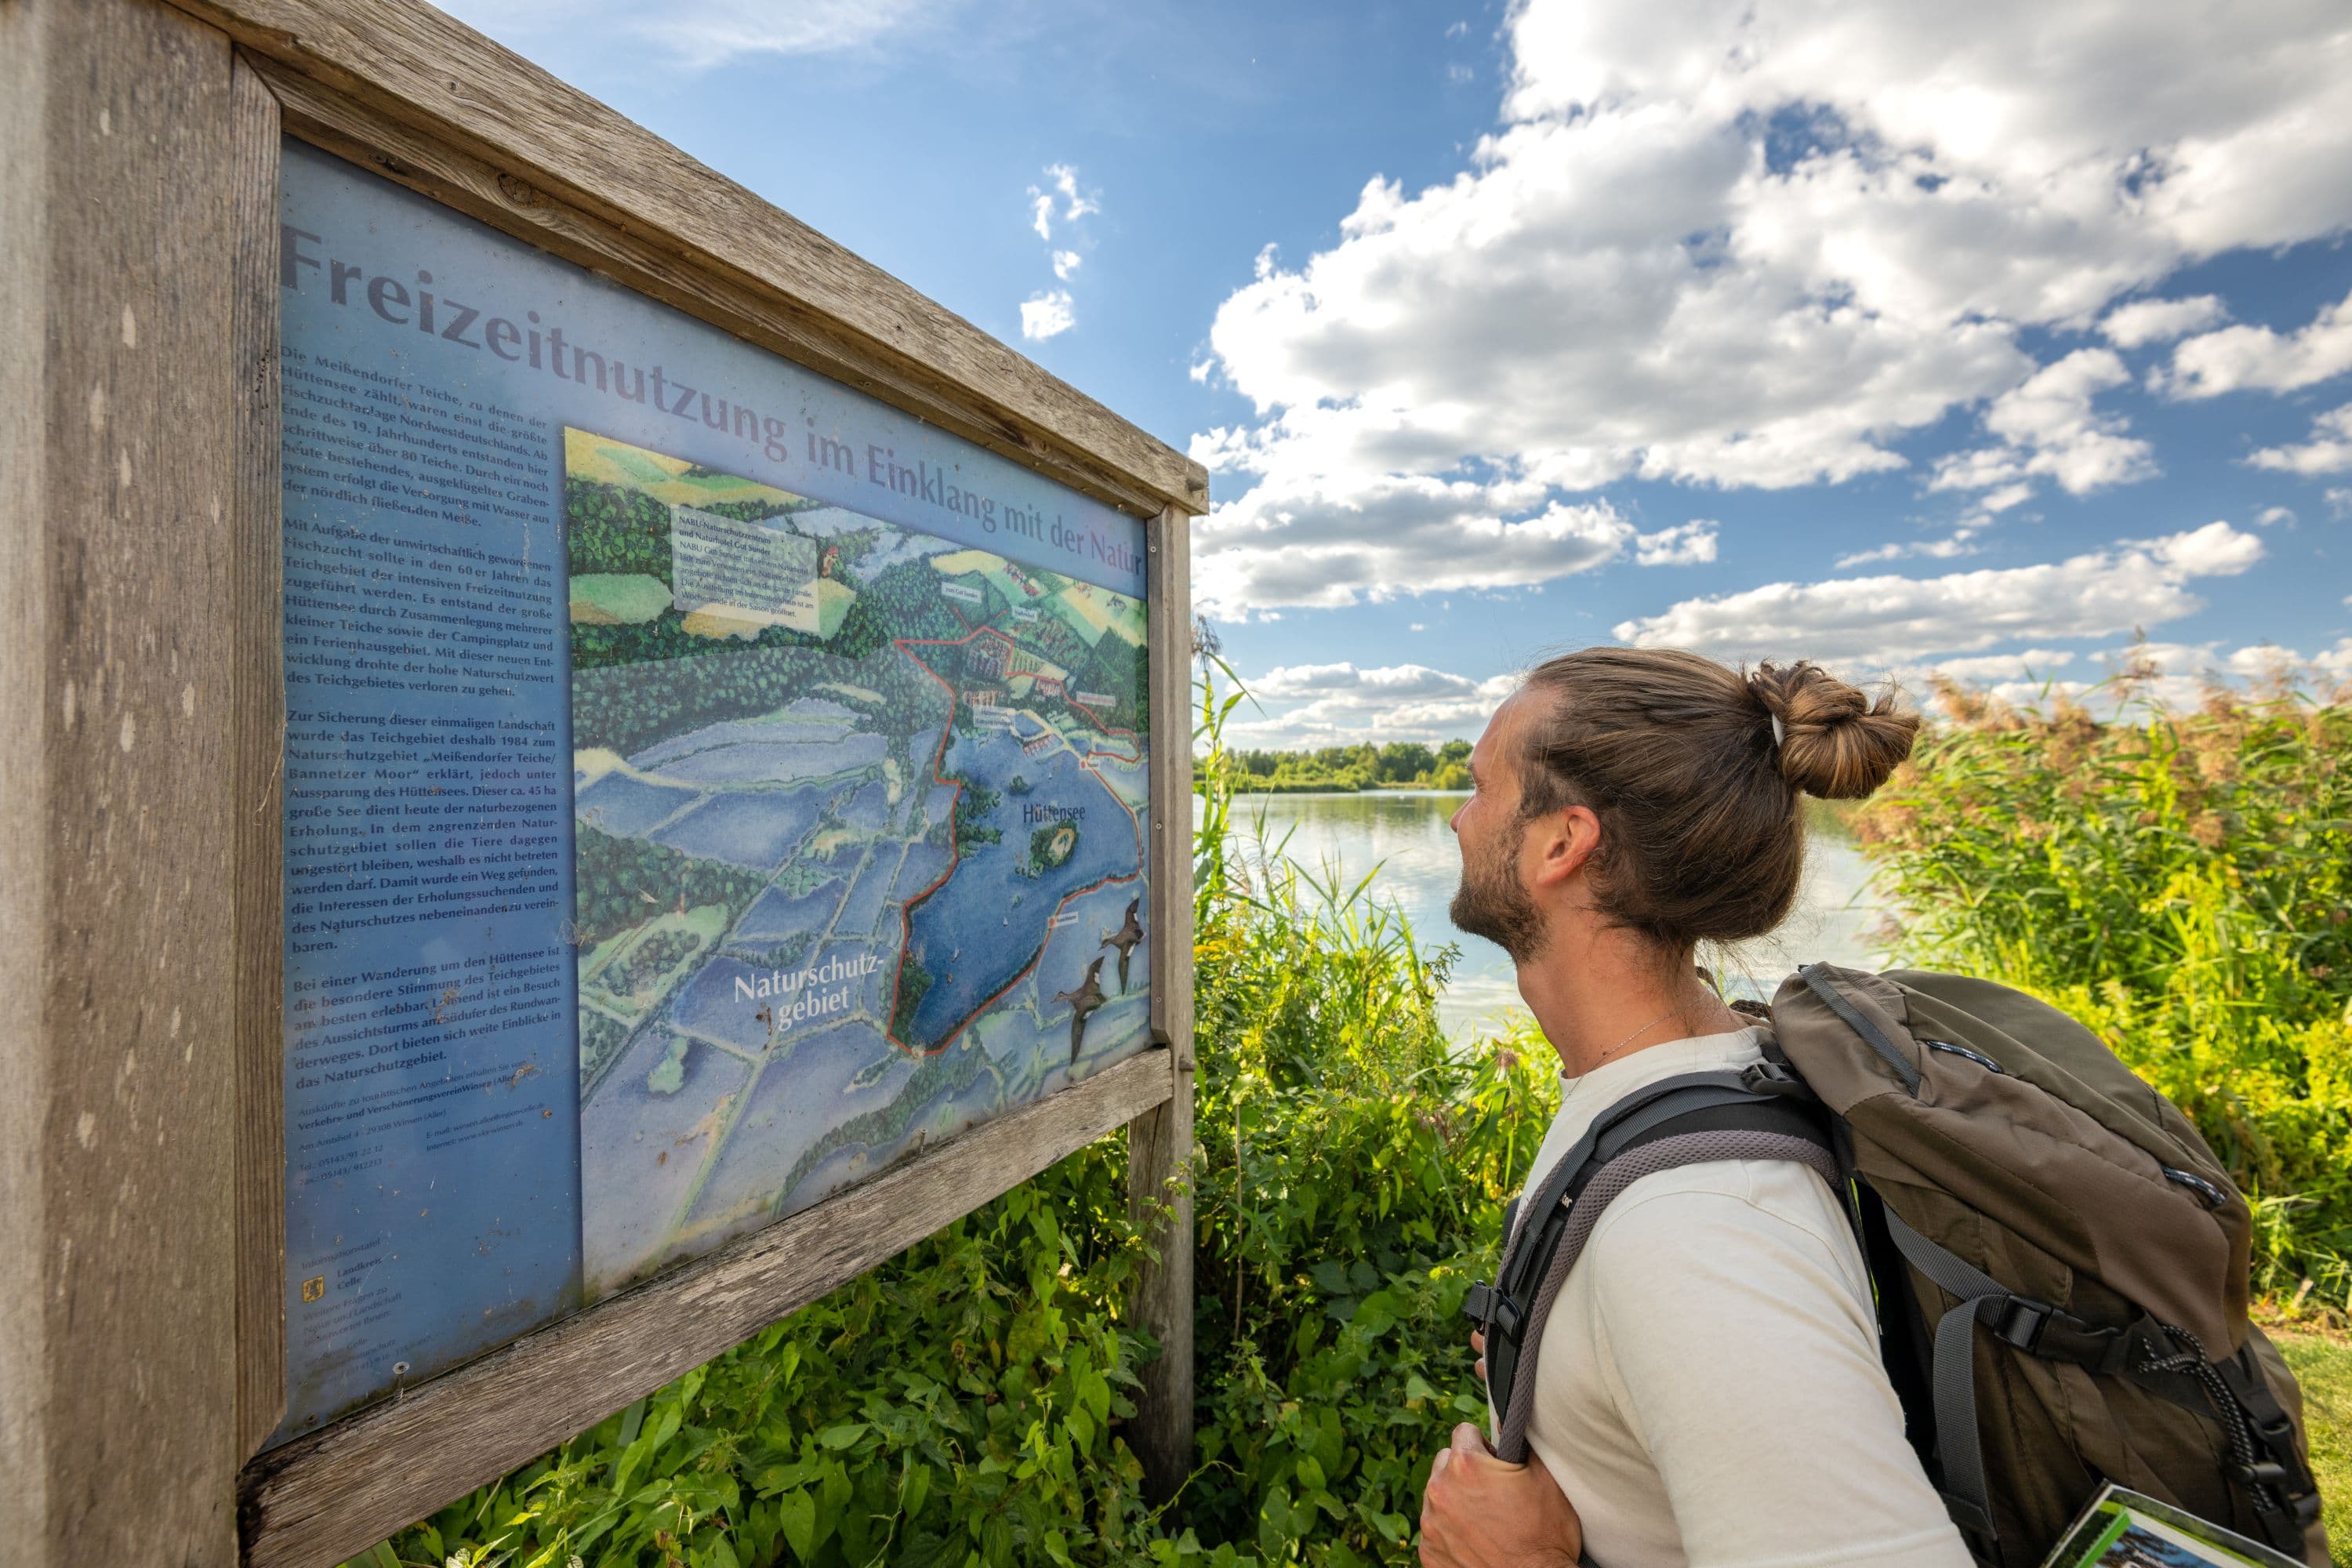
[(1479, 1513)]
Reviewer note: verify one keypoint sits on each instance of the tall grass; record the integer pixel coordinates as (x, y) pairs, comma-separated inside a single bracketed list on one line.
[(1353, 1167), (2182, 882)]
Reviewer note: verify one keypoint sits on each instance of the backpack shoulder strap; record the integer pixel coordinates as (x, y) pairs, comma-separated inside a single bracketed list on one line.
[(1755, 1115)]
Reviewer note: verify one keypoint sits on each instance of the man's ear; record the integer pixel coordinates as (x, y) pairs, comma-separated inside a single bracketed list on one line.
[(1560, 843)]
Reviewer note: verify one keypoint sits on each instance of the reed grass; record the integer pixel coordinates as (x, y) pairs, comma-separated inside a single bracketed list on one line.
[(2182, 883)]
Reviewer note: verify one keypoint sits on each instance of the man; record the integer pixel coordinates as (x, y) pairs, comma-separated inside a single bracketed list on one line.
[(1710, 1389)]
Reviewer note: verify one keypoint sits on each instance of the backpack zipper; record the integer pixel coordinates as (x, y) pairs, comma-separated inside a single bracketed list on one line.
[(2211, 1196), (1946, 1047)]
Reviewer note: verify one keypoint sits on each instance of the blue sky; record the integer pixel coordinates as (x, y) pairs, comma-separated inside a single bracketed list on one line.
[(1907, 343)]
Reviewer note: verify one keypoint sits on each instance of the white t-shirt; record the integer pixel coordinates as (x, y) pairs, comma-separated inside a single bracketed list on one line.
[(1709, 1391)]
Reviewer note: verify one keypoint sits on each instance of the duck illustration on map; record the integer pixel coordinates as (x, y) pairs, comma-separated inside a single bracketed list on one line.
[(1125, 939), (1084, 1001)]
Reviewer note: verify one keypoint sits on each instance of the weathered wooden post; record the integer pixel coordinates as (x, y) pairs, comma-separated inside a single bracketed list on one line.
[(1160, 1141), (588, 767)]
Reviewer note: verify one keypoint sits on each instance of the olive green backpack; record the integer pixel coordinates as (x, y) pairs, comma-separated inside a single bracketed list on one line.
[(2061, 1263)]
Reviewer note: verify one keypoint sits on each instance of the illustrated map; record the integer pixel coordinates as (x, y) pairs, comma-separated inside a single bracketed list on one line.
[(859, 847)]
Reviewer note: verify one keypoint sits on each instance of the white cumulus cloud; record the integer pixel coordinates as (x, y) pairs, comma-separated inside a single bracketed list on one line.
[(1300, 540), (1746, 244), (1060, 190), (1331, 704), (2048, 426), (1050, 312), (1898, 620), (1689, 543), (1047, 315), (2145, 321), (2329, 450), (2258, 359)]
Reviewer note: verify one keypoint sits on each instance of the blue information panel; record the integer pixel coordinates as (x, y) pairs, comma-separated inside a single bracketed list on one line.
[(705, 785)]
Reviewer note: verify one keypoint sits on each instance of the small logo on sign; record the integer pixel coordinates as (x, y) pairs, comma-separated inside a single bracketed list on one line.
[(315, 1288)]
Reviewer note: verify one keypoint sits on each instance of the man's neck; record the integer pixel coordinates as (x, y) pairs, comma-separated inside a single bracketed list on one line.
[(1602, 999)]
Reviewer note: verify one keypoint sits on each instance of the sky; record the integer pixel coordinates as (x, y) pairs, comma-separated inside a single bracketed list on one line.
[(1977, 340)]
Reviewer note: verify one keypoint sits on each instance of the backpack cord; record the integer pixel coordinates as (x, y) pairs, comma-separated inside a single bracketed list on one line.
[(2270, 1501)]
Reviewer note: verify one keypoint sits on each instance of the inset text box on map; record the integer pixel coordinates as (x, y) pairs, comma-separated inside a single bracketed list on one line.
[(728, 569)]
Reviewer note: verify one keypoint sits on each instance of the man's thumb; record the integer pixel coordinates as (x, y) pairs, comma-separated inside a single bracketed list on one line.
[(1468, 1439)]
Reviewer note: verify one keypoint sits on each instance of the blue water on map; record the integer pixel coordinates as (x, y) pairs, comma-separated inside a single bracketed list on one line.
[(976, 943)]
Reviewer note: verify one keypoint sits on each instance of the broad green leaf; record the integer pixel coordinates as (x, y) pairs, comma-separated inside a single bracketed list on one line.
[(796, 1511)]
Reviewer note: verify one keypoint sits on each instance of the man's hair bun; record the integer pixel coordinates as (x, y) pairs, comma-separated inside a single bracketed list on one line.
[(1835, 742)]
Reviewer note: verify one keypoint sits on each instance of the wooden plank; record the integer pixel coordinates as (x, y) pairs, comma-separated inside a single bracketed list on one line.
[(1168, 640), (255, 615), (382, 145), (418, 66), (119, 678), (26, 78), (1159, 1143), (325, 1497)]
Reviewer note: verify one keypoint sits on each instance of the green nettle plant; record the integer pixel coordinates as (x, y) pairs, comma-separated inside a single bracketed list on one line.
[(2180, 883)]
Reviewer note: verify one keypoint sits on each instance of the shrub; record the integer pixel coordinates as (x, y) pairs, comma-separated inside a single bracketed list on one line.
[(2180, 883)]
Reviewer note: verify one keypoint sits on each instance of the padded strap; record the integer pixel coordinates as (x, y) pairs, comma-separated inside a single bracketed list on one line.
[(1538, 1200), (1953, 1382), (1647, 1159)]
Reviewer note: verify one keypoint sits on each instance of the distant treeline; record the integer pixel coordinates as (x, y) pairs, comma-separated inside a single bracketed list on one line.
[(1399, 764)]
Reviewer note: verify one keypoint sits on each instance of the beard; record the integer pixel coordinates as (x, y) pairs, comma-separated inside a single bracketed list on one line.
[(1491, 902)]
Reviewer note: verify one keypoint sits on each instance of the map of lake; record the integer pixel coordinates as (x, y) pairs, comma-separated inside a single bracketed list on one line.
[(858, 841)]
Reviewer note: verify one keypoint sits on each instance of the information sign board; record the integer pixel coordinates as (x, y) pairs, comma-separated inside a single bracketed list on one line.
[(704, 785)]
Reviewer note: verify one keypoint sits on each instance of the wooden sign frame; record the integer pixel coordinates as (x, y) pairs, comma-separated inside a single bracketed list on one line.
[(142, 1203)]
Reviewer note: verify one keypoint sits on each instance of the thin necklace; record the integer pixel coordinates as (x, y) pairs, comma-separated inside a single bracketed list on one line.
[(1631, 1038)]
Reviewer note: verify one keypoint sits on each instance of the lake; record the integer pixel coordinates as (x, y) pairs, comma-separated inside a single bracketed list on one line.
[(1403, 833)]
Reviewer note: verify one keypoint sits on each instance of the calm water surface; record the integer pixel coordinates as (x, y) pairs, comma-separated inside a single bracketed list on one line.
[(1403, 833)]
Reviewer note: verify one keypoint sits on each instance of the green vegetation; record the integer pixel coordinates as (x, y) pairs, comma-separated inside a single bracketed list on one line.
[(613, 533), (2179, 881), (627, 712), (668, 1075), (1399, 764), (612, 529), (914, 981), (601, 1039), (972, 805), (1050, 845), (962, 1403), (2323, 1365), (650, 960), (617, 598), (623, 882)]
